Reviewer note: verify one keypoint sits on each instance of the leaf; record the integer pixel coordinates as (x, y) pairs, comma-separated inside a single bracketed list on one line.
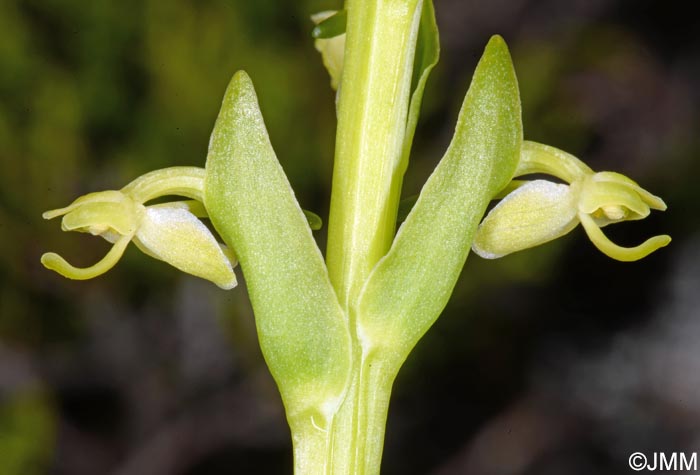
[(329, 24), (314, 220), (410, 286), (301, 327), (427, 55)]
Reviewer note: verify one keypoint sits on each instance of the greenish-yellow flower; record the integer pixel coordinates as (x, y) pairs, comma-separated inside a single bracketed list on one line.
[(539, 211), (171, 232)]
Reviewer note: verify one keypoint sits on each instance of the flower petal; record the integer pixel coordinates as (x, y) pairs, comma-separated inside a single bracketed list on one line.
[(104, 216), (111, 196), (601, 195), (533, 214), (174, 235), (653, 201), (98, 213), (610, 249)]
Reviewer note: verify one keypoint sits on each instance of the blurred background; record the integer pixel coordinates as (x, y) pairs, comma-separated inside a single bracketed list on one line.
[(556, 360)]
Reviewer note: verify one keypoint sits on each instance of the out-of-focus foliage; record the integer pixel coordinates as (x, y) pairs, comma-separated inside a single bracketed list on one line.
[(150, 371), (26, 433)]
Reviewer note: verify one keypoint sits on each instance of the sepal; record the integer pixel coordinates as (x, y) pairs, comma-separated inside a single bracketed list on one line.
[(535, 213), (174, 235)]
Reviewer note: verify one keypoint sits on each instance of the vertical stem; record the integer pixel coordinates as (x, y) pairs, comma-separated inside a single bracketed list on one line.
[(373, 106), (357, 434), (372, 110), (374, 392)]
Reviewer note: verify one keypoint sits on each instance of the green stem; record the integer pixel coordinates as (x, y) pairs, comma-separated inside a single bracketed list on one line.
[(374, 391), (352, 441), (372, 114), (357, 433)]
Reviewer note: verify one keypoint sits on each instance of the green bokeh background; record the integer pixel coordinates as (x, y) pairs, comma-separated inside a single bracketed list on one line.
[(554, 360)]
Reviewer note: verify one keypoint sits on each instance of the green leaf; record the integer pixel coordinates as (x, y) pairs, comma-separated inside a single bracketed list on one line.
[(314, 220), (411, 285), (427, 55), (302, 329), (331, 26)]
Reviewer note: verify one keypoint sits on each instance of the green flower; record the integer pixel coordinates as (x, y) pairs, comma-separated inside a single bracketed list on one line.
[(538, 211), (171, 232)]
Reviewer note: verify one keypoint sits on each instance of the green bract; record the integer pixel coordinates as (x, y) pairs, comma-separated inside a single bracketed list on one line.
[(411, 285), (302, 329)]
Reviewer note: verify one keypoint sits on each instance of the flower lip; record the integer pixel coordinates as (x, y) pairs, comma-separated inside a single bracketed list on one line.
[(53, 261), (612, 250)]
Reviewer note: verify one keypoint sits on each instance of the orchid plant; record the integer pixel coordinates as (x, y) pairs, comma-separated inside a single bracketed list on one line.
[(335, 331)]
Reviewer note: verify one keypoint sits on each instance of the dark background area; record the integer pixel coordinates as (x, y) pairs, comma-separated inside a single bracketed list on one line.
[(556, 360)]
